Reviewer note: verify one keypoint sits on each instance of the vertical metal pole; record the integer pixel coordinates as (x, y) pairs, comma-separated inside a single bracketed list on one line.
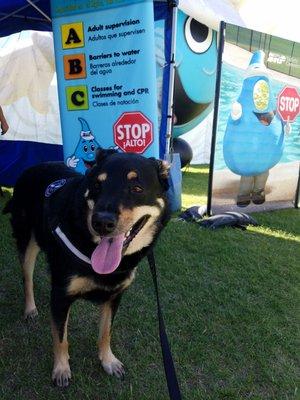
[(215, 118), (251, 39), (265, 41), (171, 81), (260, 40), (268, 52), (297, 198), (291, 58)]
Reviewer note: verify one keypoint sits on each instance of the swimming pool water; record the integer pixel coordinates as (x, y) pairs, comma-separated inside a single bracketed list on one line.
[(231, 84)]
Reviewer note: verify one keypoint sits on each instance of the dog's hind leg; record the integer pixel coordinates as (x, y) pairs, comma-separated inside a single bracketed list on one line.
[(60, 308), (28, 263), (109, 362)]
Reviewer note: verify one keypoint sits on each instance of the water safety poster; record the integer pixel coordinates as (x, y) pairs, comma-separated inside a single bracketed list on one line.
[(105, 62), (255, 158)]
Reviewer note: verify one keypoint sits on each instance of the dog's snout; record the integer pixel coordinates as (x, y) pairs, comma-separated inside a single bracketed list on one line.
[(104, 222)]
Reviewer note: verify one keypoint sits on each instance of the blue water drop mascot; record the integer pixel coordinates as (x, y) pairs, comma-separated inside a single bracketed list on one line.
[(195, 77), (83, 157), (254, 136)]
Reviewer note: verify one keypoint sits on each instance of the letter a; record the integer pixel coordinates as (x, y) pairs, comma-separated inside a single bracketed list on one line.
[(72, 37)]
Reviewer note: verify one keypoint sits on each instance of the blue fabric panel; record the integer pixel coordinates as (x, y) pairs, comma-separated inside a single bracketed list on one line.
[(17, 155)]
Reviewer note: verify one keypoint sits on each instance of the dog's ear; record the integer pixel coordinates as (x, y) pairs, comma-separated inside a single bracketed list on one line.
[(102, 154), (163, 169)]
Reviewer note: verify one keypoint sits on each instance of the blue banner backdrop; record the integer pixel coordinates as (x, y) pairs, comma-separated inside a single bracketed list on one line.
[(105, 62)]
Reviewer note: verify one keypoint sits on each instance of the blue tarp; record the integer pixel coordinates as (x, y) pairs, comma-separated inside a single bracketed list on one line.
[(18, 15), (17, 155)]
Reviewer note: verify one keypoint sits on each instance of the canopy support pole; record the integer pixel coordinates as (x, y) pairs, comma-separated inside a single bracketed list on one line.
[(39, 10)]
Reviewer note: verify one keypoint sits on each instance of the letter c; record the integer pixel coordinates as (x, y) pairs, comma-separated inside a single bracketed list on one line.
[(75, 100)]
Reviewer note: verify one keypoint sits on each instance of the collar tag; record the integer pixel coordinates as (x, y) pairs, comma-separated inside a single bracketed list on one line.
[(54, 186)]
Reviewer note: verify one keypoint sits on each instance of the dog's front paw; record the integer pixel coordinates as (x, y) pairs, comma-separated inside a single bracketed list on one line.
[(113, 366), (61, 375), (30, 315)]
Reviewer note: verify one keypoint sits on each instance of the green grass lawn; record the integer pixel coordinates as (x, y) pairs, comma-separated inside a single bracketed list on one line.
[(231, 306)]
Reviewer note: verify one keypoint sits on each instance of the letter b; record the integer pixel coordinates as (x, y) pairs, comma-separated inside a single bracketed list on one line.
[(75, 66)]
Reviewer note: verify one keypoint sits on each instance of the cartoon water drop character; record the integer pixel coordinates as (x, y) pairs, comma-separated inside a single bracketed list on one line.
[(85, 152), (196, 59), (254, 136)]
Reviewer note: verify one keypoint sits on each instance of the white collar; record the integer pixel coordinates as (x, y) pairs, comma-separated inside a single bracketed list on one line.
[(70, 245)]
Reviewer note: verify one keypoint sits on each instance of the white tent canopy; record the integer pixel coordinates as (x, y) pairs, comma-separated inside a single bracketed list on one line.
[(28, 91), (275, 17)]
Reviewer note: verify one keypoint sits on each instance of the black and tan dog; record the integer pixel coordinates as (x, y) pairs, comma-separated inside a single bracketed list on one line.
[(94, 230)]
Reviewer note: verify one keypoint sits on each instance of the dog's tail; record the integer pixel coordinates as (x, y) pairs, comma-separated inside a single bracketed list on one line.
[(21, 228)]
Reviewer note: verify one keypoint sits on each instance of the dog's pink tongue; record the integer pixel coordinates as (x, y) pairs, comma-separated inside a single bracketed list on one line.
[(107, 255)]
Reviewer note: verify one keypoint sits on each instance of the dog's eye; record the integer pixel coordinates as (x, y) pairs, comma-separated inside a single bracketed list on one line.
[(97, 186), (137, 189), (92, 147), (85, 148)]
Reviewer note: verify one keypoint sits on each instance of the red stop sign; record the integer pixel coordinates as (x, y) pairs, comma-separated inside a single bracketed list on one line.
[(133, 132), (288, 103)]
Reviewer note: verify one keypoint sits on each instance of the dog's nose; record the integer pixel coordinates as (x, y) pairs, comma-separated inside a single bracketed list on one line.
[(104, 222)]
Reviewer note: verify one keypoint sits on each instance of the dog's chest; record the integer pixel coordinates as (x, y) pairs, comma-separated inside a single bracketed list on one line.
[(79, 285)]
